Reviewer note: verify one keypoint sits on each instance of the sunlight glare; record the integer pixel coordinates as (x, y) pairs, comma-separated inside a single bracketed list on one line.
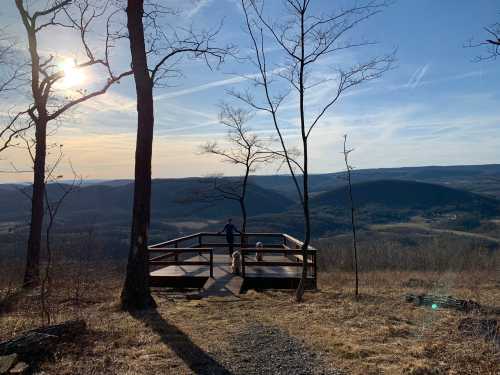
[(72, 75)]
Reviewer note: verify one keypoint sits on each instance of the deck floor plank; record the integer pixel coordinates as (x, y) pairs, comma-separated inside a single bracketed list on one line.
[(222, 268)]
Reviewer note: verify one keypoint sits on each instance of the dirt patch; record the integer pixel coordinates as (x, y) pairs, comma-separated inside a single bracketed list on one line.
[(260, 349)]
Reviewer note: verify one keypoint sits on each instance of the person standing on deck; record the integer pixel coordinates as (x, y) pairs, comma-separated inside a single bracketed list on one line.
[(229, 229)]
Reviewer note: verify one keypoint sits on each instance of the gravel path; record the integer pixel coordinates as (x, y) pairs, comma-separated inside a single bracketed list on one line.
[(259, 349)]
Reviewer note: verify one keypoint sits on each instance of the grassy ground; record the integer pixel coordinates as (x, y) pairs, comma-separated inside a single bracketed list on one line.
[(379, 333)]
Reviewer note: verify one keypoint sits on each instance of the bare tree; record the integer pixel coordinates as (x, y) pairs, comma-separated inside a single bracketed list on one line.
[(53, 206), (153, 62), (49, 102), (245, 150), (305, 40), (349, 169)]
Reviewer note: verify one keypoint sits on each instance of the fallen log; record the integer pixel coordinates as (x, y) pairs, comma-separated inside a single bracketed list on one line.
[(449, 302), (43, 339)]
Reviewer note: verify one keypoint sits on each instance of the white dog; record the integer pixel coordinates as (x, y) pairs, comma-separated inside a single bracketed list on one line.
[(236, 262), (258, 254)]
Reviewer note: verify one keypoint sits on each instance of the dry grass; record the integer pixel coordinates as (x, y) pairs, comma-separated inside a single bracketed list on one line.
[(377, 334)]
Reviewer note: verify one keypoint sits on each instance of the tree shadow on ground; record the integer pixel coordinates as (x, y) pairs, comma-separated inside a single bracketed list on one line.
[(193, 356)]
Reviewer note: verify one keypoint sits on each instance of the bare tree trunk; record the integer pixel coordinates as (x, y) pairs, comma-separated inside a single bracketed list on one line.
[(243, 206), (354, 242), (305, 182), (136, 293), (353, 221), (32, 271)]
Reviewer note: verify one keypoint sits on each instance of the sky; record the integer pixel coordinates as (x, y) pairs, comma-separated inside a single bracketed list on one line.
[(437, 106)]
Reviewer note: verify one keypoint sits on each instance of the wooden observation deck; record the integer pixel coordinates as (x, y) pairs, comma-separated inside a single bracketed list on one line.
[(202, 261)]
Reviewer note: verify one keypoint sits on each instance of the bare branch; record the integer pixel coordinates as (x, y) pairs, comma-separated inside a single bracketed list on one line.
[(491, 45), (357, 75), (12, 130), (197, 45), (58, 5), (93, 94), (260, 61)]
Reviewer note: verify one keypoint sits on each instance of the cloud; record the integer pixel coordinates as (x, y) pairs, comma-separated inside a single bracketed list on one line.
[(210, 85), (417, 76), (206, 86), (416, 80), (198, 6), (115, 102)]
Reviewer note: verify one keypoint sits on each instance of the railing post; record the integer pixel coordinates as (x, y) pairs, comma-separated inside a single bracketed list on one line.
[(176, 254), (212, 263)]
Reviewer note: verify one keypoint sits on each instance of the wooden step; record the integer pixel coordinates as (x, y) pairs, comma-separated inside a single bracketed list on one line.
[(208, 284), (229, 285), (235, 284)]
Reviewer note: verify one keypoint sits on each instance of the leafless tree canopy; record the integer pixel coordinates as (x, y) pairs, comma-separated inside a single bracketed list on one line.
[(168, 43), (491, 43), (244, 149), (322, 36), (11, 66), (80, 17), (12, 72)]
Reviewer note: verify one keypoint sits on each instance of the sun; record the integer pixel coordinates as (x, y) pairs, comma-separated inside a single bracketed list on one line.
[(73, 76)]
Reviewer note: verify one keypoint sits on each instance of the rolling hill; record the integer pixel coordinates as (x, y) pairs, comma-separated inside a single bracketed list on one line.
[(383, 202), (174, 199), (402, 194), (482, 179), (181, 205)]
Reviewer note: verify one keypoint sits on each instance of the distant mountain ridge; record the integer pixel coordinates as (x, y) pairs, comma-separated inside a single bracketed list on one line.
[(272, 203), (408, 195), (482, 179), (387, 201), (175, 199)]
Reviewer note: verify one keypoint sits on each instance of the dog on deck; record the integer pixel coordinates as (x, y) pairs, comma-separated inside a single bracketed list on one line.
[(258, 254), (236, 262)]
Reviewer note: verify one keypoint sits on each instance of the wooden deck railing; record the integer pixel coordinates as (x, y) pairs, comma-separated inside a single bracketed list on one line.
[(175, 252), (294, 255), (205, 242)]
